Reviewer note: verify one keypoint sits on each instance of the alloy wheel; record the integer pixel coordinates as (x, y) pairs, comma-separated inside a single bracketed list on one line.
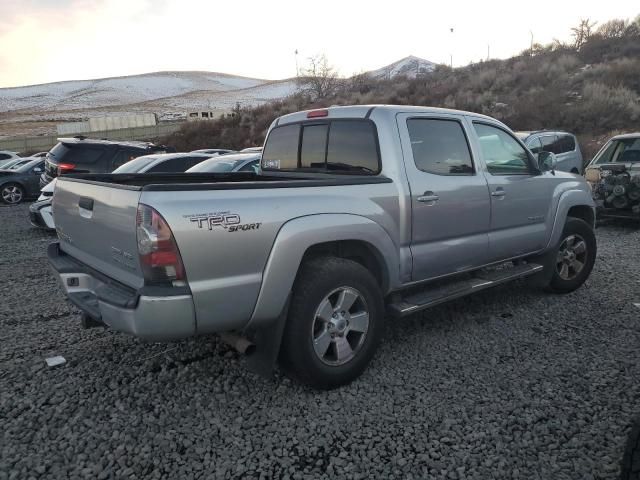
[(340, 326)]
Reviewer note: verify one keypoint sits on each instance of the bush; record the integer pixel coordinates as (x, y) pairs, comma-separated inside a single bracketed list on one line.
[(588, 90)]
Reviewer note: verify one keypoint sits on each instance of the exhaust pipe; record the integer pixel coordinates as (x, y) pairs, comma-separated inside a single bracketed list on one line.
[(240, 344)]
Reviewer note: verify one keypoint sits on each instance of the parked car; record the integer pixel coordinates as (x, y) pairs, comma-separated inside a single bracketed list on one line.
[(163, 163), (563, 144), (357, 212), (39, 154), (214, 151), (238, 162), (6, 156), (20, 183), (40, 212), (251, 150), (614, 176), (83, 155)]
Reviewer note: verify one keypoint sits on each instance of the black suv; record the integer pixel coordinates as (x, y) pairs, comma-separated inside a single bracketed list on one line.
[(84, 155)]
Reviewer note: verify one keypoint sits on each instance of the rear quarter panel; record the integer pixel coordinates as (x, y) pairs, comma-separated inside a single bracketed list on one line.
[(224, 265)]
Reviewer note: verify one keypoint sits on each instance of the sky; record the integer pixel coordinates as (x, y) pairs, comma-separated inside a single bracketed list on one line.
[(53, 40)]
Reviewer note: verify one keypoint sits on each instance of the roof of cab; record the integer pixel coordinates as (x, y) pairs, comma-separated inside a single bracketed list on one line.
[(365, 111)]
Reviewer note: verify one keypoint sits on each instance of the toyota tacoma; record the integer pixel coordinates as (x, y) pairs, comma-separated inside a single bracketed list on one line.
[(358, 215)]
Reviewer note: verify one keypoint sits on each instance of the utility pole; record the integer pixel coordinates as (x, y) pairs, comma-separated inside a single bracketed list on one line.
[(488, 55), (531, 48), (451, 54), (297, 71)]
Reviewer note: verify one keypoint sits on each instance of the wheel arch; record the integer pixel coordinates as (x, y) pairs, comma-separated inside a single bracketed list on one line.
[(344, 235), (574, 203)]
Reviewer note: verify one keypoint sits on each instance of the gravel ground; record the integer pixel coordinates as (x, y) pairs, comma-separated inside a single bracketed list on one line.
[(506, 384)]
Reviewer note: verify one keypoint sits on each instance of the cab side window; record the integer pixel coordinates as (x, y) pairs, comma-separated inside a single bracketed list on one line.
[(502, 153)]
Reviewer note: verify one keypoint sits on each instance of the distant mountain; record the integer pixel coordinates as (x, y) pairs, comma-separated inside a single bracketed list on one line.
[(410, 66)]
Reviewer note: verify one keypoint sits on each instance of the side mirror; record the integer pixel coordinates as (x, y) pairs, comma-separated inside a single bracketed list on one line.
[(547, 161)]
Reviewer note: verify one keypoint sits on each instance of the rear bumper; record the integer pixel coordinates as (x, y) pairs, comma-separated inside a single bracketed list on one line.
[(150, 313), (41, 215)]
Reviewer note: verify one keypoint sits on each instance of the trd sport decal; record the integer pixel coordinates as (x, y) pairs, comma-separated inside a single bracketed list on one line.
[(229, 221)]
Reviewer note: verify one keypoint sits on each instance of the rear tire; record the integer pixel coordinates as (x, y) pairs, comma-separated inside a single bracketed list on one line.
[(334, 324), (11, 193), (573, 258)]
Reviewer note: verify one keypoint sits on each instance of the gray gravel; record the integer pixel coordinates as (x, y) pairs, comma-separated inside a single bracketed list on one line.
[(507, 384)]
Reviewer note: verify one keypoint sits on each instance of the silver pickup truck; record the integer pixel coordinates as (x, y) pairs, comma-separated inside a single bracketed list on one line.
[(358, 214)]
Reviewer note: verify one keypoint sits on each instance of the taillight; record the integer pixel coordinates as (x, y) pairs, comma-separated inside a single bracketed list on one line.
[(159, 255), (65, 168)]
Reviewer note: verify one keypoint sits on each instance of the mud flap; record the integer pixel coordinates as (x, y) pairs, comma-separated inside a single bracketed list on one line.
[(267, 340), (542, 279)]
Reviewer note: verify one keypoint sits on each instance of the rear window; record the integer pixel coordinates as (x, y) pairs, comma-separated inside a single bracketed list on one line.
[(336, 146), (77, 155)]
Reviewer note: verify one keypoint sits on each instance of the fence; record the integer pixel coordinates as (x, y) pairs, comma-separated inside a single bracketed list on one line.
[(44, 143)]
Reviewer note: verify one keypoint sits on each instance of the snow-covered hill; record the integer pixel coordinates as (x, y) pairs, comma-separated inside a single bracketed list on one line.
[(110, 92), (36, 109), (409, 66)]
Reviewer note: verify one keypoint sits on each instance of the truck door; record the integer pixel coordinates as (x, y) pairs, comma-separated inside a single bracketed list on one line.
[(449, 197), (520, 196)]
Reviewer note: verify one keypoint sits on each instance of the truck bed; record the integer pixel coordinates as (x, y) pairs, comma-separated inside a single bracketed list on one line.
[(220, 181)]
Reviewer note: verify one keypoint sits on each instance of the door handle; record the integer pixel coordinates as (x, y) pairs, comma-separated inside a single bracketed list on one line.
[(499, 192), (428, 197)]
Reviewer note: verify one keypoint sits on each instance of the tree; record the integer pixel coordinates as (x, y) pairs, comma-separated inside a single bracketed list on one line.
[(319, 79), (582, 33), (613, 29)]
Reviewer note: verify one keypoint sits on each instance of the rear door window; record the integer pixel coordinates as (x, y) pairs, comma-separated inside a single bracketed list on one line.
[(566, 143), (338, 146), (439, 146), (549, 143)]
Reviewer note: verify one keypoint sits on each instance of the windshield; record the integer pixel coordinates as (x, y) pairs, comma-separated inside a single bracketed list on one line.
[(135, 165), (625, 150), (223, 163)]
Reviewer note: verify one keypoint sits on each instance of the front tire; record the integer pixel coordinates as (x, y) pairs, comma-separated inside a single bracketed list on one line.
[(573, 257), (11, 193), (334, 324)]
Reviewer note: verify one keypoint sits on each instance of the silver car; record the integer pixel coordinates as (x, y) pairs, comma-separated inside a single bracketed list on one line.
[(563, 144)]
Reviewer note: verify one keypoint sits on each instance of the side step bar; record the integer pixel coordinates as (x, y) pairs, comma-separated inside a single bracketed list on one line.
[(482, 280)]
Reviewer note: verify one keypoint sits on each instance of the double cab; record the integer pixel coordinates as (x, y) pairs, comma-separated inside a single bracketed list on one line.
[(358, 215)]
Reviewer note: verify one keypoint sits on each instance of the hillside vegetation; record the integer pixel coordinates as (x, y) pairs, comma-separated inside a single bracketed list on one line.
[(590, 86)]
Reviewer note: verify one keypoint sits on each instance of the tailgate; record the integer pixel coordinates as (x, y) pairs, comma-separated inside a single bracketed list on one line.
[(96, 223)]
